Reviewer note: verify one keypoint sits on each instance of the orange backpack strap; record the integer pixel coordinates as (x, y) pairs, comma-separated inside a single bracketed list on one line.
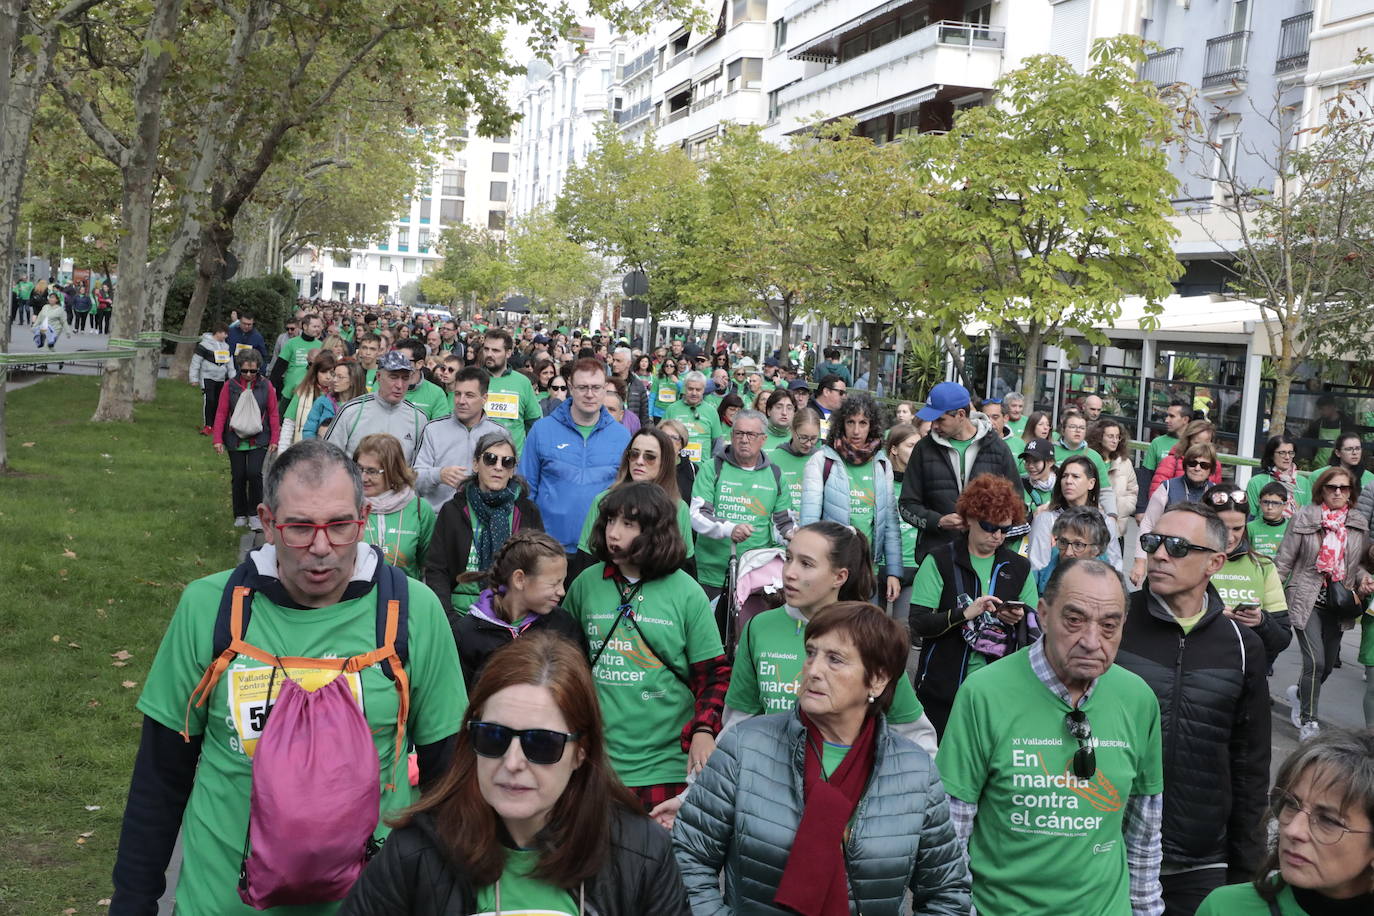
[(240, 595), (386, 654)]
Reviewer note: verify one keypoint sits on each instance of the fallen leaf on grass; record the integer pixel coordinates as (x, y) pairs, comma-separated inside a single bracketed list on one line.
[(70, 911), (104, 902), (92, 807), (119, 664), (28, 444), (69, 554), (56, 637), (81, 841), (73, 645), (62, 572), (128, 684), (93, 704), (123, 655), (153, 584)]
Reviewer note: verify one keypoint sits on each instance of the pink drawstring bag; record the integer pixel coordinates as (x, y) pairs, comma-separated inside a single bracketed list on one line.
[(316, 794)]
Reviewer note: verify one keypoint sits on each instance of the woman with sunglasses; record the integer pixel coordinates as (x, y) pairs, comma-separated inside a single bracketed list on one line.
[(1349, 454), (557, 393), (1326, 543), (1279, 465), (398, 521), (1198, 463), (664, 388), (1171, 466), (486, 509), (657, 660), (962, 580), (247, 453), (530, 816), (1249, 584), (1077, 484), (686, 467), (1321, 818)]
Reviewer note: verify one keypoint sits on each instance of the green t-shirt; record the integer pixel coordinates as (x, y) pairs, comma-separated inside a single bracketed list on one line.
[(736, 497), (961, 446), (1325, 434), (586, 431), (1044, 841), (511, 403), (1063, 452), (832, 755), (665, 394), (644, 703), (403, 535), (1244, 581), (371, 375), (296, 354), (523, 895), (684, 525), (430, 398), (863, 500), (1265, 538), (792, 468), (1243, 900), (703, 428), (216, 818), (1017, 427), (910, 534), (1016, 445), (1159, 447), (1302, 491), (767, 670), (775, 436)]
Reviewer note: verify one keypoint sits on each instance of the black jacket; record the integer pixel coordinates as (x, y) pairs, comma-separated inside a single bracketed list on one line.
[(452, 539), (478, 637), (931, 486), (414, 875), (1214, 723)]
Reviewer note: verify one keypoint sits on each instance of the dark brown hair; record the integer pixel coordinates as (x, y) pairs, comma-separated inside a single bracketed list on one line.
[(848, 550), (574, 844), (1322, 479), (659, 548), (1098, 429), (882, 642), (667, 462)]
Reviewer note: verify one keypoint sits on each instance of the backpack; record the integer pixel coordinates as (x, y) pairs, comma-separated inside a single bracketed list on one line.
[(246, 420), (315, 767)]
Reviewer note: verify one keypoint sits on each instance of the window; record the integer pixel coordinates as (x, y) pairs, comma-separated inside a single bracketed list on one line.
[(745, 73), (1224, 165), (422, 243), (774, 104), (779, 34), (750, 10), (883, 34), (384, 262), (913, 22), (425, 203), (498, 191), (679, 44), (450, 212), (853, 47), (402, 239), (496, 219), (500, 162), (407, 265), (451, 183)]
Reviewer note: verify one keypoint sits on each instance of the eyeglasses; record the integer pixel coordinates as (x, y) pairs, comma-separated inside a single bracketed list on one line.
[(1272, 503), (1285, 453), (1198, 463), (1085, 758), (1352, 448), (491, 459), (539, 745), (1325, 828), (1075, 546), (1224, 497), (747, 437), (340, 533), (589, 389), (1174, 546), (1336, 487), (990, 528), (370, 472), (807, 440)]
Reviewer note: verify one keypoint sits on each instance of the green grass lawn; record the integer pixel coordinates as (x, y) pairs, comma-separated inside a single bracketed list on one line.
[(100, 527)]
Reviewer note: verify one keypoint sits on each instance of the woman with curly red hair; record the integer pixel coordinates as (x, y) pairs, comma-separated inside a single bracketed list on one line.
[(967, 591)]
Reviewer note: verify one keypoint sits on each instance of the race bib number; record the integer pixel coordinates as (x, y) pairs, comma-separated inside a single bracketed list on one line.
[(825, 429), (503, 405), (222, 356), (667, 396), (249, 703), (693, 451), (238, 348)]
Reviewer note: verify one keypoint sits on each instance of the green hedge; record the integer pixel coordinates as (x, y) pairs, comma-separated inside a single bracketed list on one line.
[(271, 299)]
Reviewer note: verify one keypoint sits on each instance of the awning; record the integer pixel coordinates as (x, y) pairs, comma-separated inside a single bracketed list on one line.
[(905, 103), (680, 88), (826, 46)]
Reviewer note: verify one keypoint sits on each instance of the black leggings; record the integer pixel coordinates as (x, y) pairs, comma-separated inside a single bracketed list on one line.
[(80, 323), (211, 388), (245, 482)]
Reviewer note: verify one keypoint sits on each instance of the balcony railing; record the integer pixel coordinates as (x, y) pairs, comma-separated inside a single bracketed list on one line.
[(634, 112), (1294, 33), (705, 100), (639, 64), (1225, 61), (1162, 68), (678, 115)]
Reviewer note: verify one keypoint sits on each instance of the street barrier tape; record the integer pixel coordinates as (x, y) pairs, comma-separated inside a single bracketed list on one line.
[(119, 348)]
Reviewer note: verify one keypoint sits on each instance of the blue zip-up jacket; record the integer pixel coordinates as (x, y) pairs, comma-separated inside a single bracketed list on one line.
[(566, 471)]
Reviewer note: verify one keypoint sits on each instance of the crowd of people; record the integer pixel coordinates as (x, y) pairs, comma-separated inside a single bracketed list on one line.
[(52, 309), (591, 628)]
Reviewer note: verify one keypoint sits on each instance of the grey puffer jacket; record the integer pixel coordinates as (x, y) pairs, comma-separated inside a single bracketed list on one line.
[(743, 811), (1297, 559)]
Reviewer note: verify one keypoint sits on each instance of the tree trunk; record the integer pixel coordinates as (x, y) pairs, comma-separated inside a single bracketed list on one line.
[(711, 334), (874, 332), (1032, 343), (956, 355), (208, 265), (1283, 387), (785, 329)]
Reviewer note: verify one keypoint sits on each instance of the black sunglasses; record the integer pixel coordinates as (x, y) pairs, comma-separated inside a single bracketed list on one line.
[(558, 387), (539, 745), (1174, 545), (248, 372), (491, 459), (990, 528), (1085, 758)]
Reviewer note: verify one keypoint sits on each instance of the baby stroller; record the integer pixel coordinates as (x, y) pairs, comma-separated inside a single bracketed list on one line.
[(753, 584)]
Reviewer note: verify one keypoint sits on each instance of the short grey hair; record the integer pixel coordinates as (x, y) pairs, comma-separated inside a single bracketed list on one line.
[(694, 376), (746, 414), (1216, 528), (1013, 397), (623, 351), (313, 458)]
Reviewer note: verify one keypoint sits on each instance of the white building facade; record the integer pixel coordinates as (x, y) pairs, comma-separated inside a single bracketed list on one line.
[(470, 183)]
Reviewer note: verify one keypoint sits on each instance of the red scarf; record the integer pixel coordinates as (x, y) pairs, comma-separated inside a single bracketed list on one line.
[(814, 882)]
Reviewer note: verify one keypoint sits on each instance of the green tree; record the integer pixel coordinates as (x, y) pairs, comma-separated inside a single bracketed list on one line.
[(557, 274), (476, 266), (1054, 204)]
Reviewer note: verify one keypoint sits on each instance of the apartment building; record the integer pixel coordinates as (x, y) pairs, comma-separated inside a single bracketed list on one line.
[(561, 102), (470, 183)]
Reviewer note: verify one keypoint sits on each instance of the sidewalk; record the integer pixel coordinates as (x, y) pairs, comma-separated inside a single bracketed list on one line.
[(21, 341)]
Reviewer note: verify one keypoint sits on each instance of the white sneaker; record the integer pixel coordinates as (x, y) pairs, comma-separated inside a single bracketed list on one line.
[(240, 521), (1295, 714), (254, 523), (1308, 731)]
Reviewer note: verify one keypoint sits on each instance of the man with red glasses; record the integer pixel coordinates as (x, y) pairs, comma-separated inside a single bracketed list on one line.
[(1208, 671), (315, 595), (444, 458)]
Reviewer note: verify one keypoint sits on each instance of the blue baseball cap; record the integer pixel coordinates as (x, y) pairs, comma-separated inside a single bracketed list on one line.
[(945, 397)]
